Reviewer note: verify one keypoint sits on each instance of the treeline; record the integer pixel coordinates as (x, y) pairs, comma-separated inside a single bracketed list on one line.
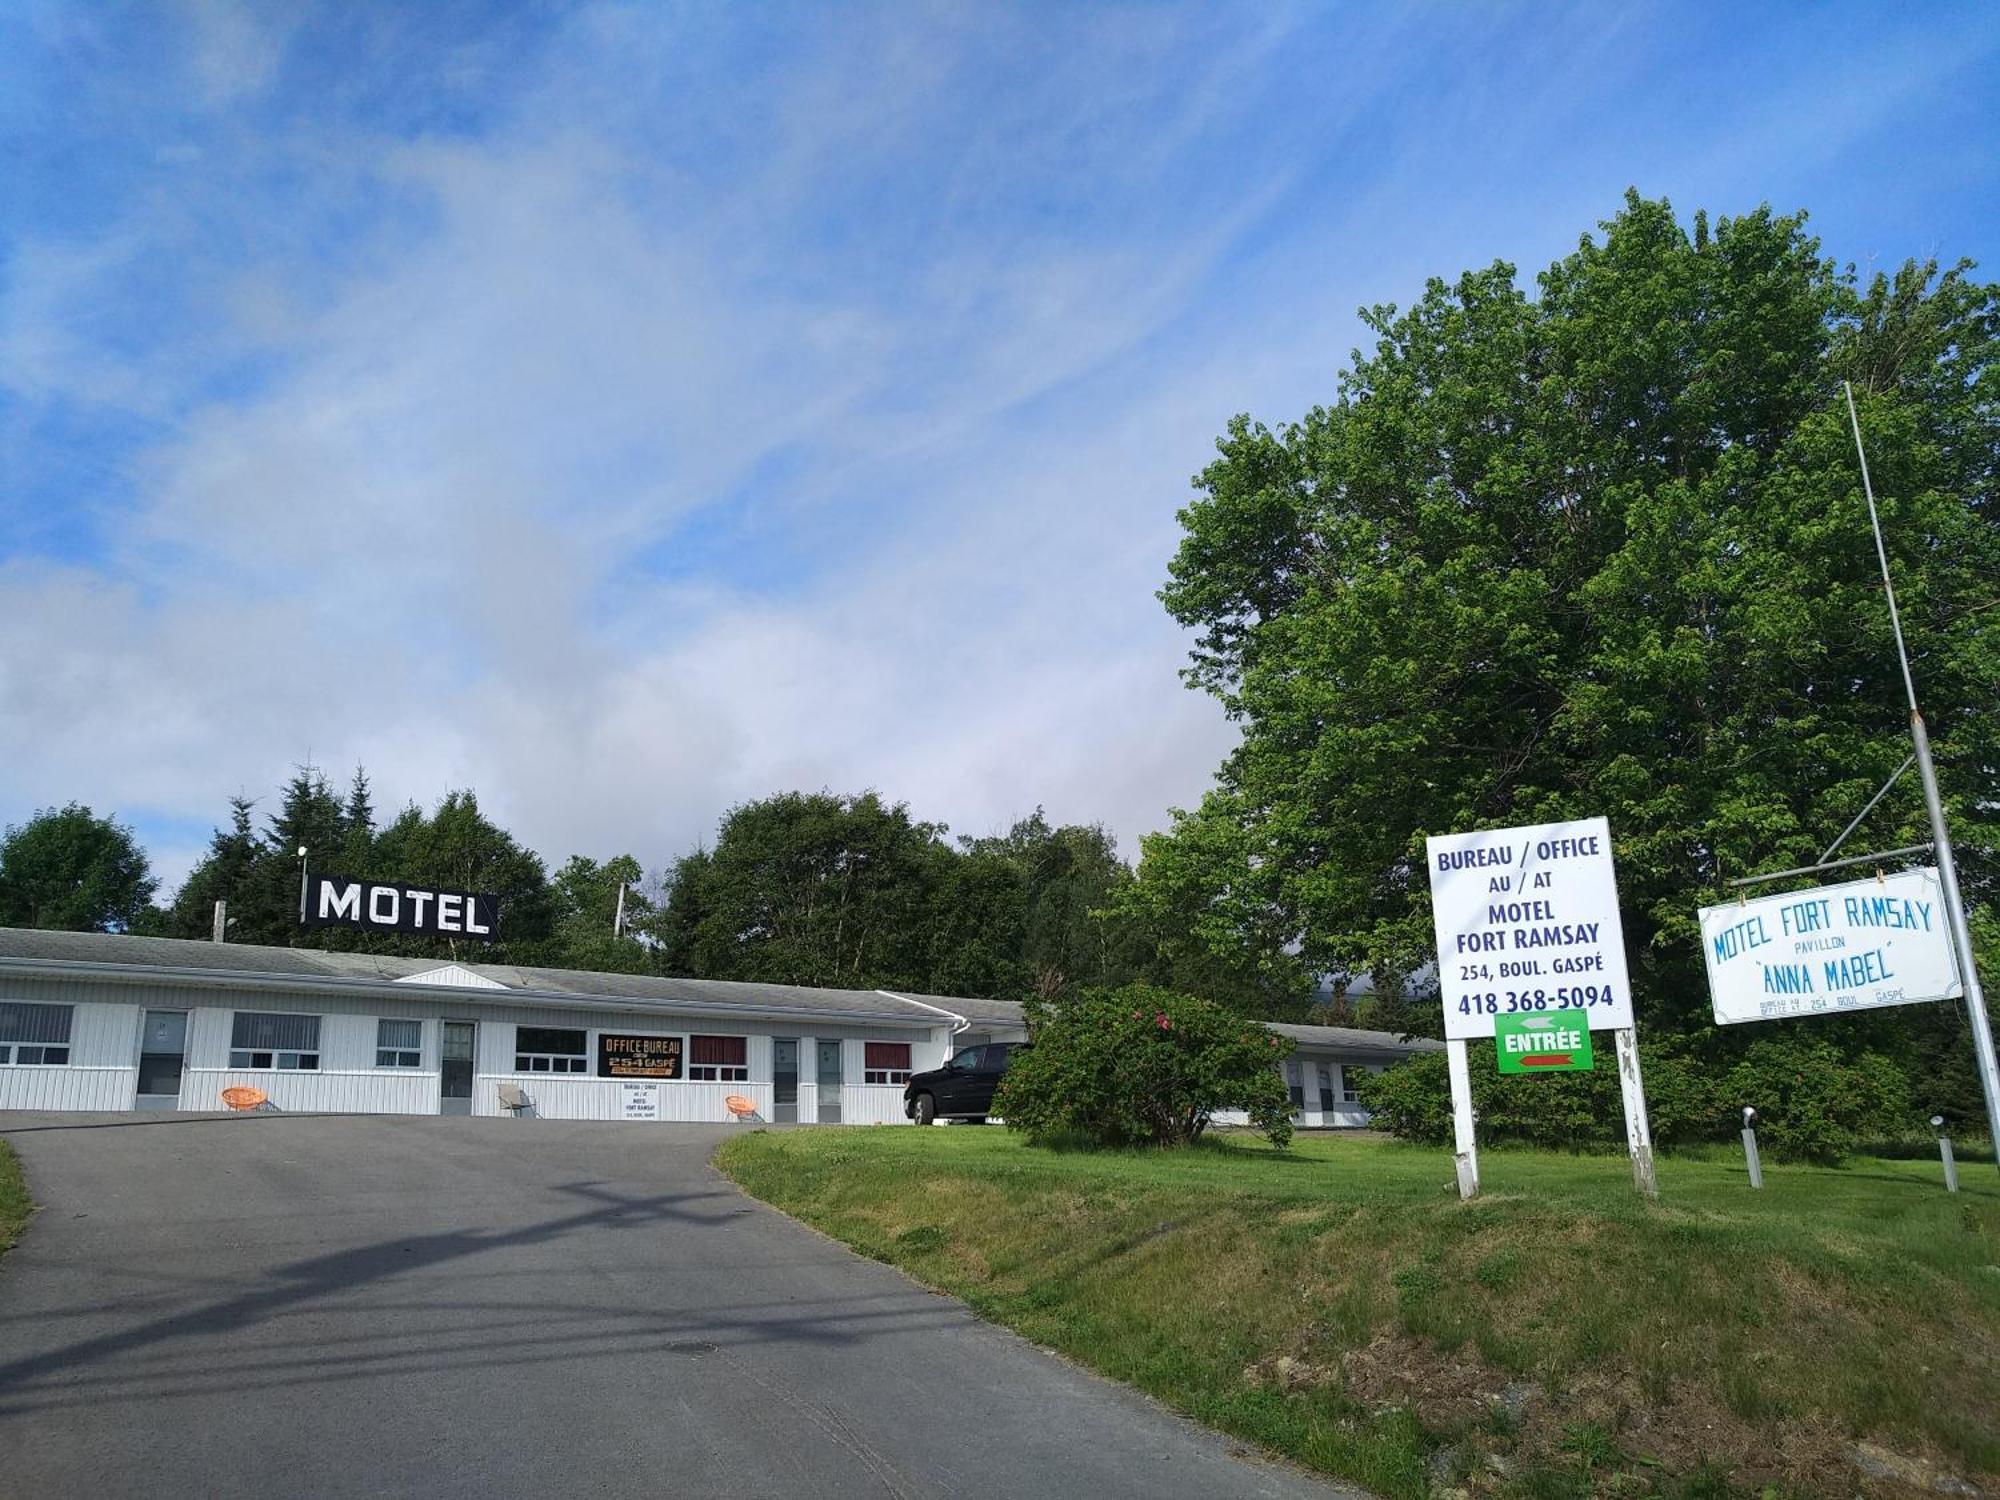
[(798, 888)]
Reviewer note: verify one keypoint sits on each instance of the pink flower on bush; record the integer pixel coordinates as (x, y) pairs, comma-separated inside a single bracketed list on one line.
[(1165, 1024)]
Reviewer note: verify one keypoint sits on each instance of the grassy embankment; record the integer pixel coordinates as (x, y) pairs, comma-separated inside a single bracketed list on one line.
[(14, 1204), (1338, 1304)]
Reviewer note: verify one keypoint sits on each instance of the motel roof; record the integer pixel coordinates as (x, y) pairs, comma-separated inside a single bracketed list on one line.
[(125, 958)]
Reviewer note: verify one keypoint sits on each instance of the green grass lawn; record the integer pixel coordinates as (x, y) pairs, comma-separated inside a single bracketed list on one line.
[(14, 1204), (1556, 1337)]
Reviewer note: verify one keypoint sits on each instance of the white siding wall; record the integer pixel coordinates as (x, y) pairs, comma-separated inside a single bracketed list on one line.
[(102, 1073), (104, 1038), (582, 1096), (872, 1104), (103, 1067), (377, 1091)]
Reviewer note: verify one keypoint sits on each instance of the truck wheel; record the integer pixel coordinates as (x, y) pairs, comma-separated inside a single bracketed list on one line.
[(926, 1109)]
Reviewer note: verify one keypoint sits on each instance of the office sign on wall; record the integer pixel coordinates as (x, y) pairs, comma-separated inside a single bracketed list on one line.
[(621, 1056), (1527, 921), (639, 1101), (1858, 946), (389, 906)]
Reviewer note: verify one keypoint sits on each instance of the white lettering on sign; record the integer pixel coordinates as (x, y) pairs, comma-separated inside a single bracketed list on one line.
[(1860, 946), (1560, 1040), (339, 903), (1527, 920), (387, 905)]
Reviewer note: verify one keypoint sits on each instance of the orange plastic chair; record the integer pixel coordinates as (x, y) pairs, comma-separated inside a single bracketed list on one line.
[(740, 1107), (240, 1097)]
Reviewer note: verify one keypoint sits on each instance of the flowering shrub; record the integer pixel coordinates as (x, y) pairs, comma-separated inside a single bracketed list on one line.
[(1142, 1066)]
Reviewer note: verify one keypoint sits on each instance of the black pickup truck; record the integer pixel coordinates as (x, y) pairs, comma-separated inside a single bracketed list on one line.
[(963, 1088)]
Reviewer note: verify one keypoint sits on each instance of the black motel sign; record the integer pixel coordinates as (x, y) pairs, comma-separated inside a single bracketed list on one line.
[(389, 906)]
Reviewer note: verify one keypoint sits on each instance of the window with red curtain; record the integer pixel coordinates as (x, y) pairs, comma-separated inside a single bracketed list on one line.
[(886, 1062), (719, 1059)]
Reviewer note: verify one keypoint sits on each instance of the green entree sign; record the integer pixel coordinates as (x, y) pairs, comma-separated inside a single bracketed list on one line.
[(1547, 1041)]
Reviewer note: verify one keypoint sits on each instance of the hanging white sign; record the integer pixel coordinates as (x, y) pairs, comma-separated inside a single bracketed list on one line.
[(1859, 946), (1527, 920)]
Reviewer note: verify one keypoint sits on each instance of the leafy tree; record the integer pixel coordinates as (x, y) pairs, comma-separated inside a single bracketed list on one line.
[(584, 896), (1142, 1066), (1046, 915), (976, 937), (809, 888), (456, 847), (1600, 550), (68, 868)]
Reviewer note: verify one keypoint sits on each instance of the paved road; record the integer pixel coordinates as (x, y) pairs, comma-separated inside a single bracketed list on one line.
[(285, 1306)]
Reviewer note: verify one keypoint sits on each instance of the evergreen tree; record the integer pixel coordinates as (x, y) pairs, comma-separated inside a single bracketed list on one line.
[(222, 875)]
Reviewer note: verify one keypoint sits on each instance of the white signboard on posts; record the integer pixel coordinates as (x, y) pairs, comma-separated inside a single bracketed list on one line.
[(1858, 946), (1527, 920)]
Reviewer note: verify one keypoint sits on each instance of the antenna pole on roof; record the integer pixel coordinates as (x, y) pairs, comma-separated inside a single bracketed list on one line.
[(618, 918), (222, 921)]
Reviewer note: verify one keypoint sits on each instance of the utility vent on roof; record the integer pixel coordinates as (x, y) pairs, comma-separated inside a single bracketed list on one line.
[(453, 976)]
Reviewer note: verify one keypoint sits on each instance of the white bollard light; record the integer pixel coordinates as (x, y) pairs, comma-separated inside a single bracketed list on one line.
[(1750, 1157)]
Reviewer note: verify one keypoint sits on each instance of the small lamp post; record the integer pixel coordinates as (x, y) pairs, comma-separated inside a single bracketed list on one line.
[(1944, 1155), (1750, 1157)]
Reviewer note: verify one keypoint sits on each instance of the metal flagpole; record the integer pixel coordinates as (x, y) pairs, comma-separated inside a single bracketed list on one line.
[(1954, 906)]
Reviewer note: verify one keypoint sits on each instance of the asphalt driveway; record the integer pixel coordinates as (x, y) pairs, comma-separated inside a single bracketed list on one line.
[(291, 1306)]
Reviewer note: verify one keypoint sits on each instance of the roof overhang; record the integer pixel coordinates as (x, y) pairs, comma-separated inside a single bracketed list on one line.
[(402, 990)]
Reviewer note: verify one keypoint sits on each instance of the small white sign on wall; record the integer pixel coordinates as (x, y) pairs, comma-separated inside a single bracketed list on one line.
[(639, 1101)]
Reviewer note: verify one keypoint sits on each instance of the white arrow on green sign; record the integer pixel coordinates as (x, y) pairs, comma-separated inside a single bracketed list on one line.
[(1544, 1041)]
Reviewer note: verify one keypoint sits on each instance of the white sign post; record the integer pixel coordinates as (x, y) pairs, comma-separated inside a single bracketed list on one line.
[(1527, 920), (1839, 948)]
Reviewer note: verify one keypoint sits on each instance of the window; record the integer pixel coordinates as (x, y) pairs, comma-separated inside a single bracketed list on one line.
[(1351, 1075), (886, 1062), (33, 1035), (968, 1061), (399, 1044), (719, 1059), (1294, 1083), (1325, 1080), (261, 1039), (549, 1049)]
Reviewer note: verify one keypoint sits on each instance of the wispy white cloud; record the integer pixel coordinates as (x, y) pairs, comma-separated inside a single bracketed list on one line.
[(663, 413)]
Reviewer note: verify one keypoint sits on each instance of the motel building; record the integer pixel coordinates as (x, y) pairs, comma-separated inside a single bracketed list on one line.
[(107, 1021)]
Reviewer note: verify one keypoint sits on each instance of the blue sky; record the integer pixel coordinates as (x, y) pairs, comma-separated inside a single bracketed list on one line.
[(628, 410)]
